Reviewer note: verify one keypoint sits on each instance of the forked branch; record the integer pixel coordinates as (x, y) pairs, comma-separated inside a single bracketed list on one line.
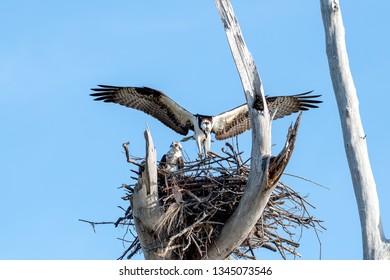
[(258, 188)]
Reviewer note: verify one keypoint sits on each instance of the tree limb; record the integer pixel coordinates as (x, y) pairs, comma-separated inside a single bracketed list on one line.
[(279, 163), (256, 194), (145, 204), (375, 245)]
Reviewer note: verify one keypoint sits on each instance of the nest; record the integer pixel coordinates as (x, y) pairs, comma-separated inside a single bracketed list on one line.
[(199, 199)]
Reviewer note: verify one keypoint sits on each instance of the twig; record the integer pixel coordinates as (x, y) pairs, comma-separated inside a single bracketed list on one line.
[(205, 193)]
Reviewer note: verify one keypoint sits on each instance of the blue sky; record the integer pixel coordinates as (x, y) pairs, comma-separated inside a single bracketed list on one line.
[(61, 157)]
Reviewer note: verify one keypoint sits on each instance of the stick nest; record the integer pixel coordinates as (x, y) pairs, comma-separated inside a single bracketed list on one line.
[(198, 200)]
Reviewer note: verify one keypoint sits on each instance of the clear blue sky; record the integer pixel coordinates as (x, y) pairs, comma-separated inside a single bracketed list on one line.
[(61, 157)]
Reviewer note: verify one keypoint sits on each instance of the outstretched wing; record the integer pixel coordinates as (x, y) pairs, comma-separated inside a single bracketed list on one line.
[(237, 121), (231, 123), (149, 101), (286, 105)]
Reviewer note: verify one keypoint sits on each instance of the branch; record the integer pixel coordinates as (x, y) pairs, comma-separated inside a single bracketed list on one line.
[(125, 146), (93, 224), (246, 67), (375, 245), (279, 163), (128, 157), (145, 204), (256, 194)]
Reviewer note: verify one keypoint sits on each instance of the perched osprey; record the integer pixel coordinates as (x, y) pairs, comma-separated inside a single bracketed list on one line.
[(173, 159), (224, 125)]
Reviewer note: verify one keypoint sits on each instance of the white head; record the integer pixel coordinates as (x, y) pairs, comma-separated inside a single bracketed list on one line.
[(206, 126), (172, 157), (176, 147), (202, 130)]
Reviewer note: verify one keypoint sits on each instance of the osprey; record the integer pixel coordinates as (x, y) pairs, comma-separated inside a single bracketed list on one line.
[(173, 159), (224, 125)]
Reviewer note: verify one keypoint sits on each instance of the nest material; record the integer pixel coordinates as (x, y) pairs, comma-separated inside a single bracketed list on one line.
[(198, 200)]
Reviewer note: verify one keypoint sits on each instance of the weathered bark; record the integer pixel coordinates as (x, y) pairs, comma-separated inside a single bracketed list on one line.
[(278, 164), (264, 173), (145, 204), (155, 238), (257, 190), (375, 245)]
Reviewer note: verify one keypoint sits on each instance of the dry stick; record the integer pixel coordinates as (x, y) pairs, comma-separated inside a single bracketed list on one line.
[(128, 158), (124, 145), (305, 179), (172, 238), (235, 157), (93, 224), (135, 244), (215, 202)]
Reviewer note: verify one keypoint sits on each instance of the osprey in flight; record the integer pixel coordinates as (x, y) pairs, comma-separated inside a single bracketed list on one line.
[(224, 125)]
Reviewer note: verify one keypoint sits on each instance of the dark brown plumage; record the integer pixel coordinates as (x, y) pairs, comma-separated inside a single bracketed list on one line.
[(224, 125)]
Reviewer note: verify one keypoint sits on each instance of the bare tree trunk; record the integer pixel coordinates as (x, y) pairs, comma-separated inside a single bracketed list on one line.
[(257, 191), (375, 245), (264, 173), (145, 204)]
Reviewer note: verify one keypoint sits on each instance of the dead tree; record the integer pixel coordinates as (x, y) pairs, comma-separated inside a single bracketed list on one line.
[(145, 204), (257, 190), (181, 215), (263, 177), (375, 245)]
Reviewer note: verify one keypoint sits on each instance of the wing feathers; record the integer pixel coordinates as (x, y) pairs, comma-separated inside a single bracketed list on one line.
[(231, 123), (225, 125), (150, 101), (237, 121), (283, 106)]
